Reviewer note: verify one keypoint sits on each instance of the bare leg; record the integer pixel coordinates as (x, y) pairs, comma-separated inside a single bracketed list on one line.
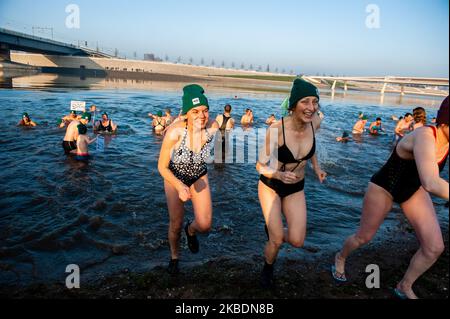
[(271, 207), (294, 208), (202, 204), (176, 215), (420, 212), (377, 204)]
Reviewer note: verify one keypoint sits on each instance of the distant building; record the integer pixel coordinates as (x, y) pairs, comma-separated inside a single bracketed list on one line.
[(151, 57)]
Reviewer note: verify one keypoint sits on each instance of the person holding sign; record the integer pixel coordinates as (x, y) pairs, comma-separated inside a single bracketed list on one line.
[(105, 125), (182, 164), (70, 139), (66, 120)]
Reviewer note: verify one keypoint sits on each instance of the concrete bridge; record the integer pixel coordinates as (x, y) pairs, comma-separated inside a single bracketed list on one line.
[(388, 84), (12, 40)]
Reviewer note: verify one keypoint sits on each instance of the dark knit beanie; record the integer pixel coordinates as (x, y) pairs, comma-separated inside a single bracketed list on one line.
[(193, 96), (300, 90)]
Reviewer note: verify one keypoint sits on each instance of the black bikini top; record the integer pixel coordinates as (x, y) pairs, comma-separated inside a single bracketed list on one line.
[(285, 155)]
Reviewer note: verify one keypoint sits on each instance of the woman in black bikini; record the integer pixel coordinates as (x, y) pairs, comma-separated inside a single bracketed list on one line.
[(281, 183), (182, 164), (410, 174)]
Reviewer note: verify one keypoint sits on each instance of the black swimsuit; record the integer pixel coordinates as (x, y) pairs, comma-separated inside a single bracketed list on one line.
[(285, 156), (400, 177), (102, 128)]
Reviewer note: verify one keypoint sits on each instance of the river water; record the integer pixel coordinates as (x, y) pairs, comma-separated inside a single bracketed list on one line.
[(111, 214)]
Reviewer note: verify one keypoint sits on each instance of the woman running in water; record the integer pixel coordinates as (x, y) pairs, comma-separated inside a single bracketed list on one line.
[(182, 164), (410, 174), (282, 180)]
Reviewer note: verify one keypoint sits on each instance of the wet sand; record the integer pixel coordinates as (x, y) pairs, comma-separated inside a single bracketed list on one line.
[(226, 279)]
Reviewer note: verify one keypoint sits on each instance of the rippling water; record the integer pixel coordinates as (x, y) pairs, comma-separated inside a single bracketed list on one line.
[(111, 214)]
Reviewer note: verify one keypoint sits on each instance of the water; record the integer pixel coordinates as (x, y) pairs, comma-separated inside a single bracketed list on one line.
[(111, 214)]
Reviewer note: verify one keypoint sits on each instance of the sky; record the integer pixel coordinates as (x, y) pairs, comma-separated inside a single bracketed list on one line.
[(410, 38)]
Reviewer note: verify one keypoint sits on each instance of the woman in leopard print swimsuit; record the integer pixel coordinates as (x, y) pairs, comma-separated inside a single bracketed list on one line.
[(182, 164)]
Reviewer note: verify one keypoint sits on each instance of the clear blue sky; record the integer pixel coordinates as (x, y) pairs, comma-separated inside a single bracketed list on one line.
[(322, 36)]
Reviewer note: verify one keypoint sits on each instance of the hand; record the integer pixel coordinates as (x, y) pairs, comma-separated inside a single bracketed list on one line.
[(184, 193), (287, 177), (321, 175)]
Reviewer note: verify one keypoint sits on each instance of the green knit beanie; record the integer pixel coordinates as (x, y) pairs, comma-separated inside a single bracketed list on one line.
[(193, 96), (300, 90)]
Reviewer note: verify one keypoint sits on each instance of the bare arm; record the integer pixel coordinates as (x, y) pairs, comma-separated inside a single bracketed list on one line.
[(89, 141), (425, 157), (113, 126), (170, 140), (262, 165), (398, 130)]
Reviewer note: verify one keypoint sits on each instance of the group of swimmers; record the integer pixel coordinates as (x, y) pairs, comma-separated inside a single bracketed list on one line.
[(76, 140), (405, 124), (408, 178)]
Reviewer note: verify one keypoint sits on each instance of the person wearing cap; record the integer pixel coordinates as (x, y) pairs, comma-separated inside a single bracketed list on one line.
[(26, 121), (345, 138), (159, 123), (408, 178), (376, 127), (70, 139), (83, 141), (182, 165), (290, 144), (68, 118), (105, 125), (360, 125)]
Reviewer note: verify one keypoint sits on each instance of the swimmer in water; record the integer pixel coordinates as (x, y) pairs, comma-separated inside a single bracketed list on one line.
[(26, 121), (408, 178), (105, 125), (70, 139), (420, 117), (345, 138), (272, 119), (158, 123), (404, 126), (360, 125), (376, 127), (83, 141), (66, 120), (247, 119)]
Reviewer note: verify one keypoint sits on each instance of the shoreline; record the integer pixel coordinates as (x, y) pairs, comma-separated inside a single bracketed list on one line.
[(224, 278)]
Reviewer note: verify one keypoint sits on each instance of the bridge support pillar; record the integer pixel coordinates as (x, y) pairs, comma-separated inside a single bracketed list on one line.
[(5, 54)]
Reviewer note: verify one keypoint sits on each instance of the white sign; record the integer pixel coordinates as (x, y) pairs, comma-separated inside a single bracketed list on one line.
[(78, 106), (100, 144)]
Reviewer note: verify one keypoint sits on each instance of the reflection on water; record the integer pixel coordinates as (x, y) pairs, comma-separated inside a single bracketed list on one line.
[(111, 214)]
